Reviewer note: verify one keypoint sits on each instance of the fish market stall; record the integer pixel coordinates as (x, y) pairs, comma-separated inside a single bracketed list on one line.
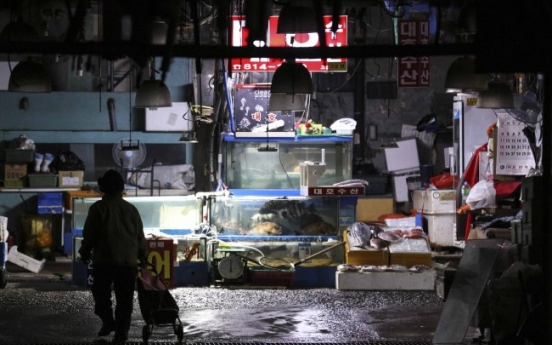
[(289, 229), (273, 211)]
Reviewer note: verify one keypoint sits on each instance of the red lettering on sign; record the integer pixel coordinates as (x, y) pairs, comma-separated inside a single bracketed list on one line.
[(239, 35)]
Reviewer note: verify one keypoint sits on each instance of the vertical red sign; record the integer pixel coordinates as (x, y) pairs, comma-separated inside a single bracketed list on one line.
[(414, 71), (161, 254)]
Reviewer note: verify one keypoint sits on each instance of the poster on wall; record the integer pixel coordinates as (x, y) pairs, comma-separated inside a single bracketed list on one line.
[(239, 34), (513, 152), (253, 119), (413, 71)]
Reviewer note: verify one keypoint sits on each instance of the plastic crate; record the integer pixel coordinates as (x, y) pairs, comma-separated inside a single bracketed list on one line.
[(262, 277), (50, 203), (42, 180), (17, 155)]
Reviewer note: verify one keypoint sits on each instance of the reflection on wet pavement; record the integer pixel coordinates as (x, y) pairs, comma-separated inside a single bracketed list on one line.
[(56, 312)]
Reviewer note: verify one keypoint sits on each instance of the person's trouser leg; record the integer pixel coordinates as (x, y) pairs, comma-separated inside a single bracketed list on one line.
[(101, 291), (124, 283)]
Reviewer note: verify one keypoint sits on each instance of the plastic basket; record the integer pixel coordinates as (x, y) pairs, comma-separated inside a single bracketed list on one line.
[(261, 277)]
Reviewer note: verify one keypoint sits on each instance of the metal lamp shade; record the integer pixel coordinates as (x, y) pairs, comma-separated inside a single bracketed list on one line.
[(497, 96), (461, 76), (291, 78), (283, 102), (19, 31), (296, 19), (153, 94), (29, 76)]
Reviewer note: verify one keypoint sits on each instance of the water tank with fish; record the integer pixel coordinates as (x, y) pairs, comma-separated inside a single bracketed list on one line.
[(249, 165), (275, 216), (285, 227)]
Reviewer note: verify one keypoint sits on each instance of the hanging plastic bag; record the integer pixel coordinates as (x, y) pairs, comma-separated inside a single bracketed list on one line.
[(482, 195)]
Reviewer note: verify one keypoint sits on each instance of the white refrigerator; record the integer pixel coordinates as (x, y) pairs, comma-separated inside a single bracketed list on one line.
[(470, 125)]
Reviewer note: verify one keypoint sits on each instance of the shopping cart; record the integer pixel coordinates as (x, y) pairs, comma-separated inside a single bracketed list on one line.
[(157, 305)]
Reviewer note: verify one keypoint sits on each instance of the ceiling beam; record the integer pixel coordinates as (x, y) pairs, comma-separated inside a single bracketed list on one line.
[(217, 52)]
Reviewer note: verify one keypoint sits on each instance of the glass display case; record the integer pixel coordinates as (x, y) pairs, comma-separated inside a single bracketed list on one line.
[(275, 216), (171, 219), (289, 228), (157, 212), (261, 163)]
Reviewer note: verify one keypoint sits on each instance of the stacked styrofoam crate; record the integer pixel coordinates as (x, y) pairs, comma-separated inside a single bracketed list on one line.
[(438, 207), (531, 220)]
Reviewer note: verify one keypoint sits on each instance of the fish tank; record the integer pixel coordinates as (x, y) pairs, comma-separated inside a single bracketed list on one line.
[(288, 227), (273, 163), (274, 216), (169, 214)]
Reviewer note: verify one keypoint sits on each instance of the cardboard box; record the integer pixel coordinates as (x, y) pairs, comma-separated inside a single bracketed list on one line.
[(71, 178), (410, 252), (359, 257), (410, 259), (14, 172), (370, 209)]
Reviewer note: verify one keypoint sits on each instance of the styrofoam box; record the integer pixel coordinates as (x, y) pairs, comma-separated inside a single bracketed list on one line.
[(25, 261), (424, 280), (434, 201), (401, 222), (440, 228)]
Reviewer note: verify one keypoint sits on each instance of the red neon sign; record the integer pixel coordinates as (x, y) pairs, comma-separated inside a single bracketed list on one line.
[(239, 34)]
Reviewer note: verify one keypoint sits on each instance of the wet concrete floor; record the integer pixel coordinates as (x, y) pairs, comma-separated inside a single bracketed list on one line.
[(47, 309)]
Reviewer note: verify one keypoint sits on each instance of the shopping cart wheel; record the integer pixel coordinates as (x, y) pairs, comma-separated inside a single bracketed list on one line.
[(145, 334), (179, 333)]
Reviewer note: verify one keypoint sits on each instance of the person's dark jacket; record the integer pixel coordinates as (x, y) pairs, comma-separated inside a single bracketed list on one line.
[(113, 232)]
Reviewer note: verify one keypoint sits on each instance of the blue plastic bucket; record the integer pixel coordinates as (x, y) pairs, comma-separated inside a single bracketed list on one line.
[(3, 254)]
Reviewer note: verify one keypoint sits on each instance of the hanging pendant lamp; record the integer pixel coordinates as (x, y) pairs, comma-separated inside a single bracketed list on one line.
[(497, 96), (291, 78), (29, 76), (284, 102), (461, 76), (152, 93)]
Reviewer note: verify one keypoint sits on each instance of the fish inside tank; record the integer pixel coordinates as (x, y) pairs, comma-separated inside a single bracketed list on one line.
[(264, 216)]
